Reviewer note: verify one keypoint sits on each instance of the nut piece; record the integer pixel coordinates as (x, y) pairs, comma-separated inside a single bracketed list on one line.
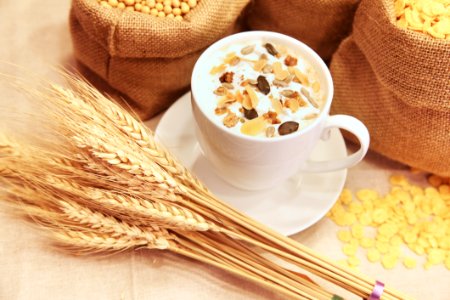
[(270, 131), (227, 77), (316, 87), (263, 85), (234, 61), (253, 127), (288, 128), (267, 69), (217, 69), (246, 102), (271, 117), (277, 106), (280, 74), (259, 64), (225, 101), (290, 61), (292, 104), (302, 78), (220, 91), (247, 50), (228, 86), (220, 110), (230, 120), (253, 97)]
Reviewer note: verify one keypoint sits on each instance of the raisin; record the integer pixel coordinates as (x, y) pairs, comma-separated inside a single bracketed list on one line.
[(250, 114)]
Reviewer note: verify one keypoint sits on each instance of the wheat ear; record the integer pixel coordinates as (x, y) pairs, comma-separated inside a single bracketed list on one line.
[(134, 129)]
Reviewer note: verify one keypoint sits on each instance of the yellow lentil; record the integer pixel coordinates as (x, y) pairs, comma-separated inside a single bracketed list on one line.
[(373, 255), (408, 216), (349, 249), (431, 17), (344, 236), (353, 261), (409, 262)]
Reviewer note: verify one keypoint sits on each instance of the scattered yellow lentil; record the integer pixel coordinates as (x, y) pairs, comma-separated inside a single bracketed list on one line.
[(373, 255), (408, 216), (367, 243), (353, 261), (349, 249), (409, 262), (344, 236), (447, 262), (389, 261), (431, 17), (175, 9), (357, 231)]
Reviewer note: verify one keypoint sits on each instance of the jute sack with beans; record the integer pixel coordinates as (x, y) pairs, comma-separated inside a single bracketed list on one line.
[(148, 60), (397, 82), (321, 24)]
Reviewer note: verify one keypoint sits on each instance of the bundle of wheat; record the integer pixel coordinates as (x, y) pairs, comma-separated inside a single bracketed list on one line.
[(101, 183)]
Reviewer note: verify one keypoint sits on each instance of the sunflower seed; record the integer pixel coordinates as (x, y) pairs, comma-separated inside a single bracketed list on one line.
[(288, 93), (247, 50), (270, 131), (305, 93), (279, 83)]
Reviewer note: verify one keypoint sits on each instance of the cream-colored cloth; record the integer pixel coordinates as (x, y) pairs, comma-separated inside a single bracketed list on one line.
[(34, 34)]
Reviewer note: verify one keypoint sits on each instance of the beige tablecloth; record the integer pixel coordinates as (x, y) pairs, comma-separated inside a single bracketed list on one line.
[(34, 34)]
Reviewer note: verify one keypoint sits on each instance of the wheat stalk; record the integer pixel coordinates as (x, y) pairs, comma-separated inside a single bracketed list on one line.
[(125, 156), (144, 211)]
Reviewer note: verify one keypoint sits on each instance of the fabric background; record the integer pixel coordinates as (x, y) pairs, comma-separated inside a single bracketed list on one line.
[(36, 36), (144, 59), (321, 24), (398, 83)]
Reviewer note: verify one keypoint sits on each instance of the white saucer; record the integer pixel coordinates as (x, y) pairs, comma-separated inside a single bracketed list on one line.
[(292, 207)]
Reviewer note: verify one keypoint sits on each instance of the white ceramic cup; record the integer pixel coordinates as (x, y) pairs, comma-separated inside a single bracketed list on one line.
[(256, 163)]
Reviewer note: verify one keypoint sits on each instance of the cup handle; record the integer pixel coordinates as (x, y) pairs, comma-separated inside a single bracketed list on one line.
[(351, 124)]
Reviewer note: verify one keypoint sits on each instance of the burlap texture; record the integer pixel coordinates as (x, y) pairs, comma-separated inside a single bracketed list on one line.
[(149, 60), (398, 83), (321, 24)]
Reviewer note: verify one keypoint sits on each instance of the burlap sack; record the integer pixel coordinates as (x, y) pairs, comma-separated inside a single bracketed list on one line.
[(321, 24), (398, 83), (148, 59)]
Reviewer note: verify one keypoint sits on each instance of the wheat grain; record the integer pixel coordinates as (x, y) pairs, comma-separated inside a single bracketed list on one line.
[(153, 235), (134, 129), (136, 210)]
